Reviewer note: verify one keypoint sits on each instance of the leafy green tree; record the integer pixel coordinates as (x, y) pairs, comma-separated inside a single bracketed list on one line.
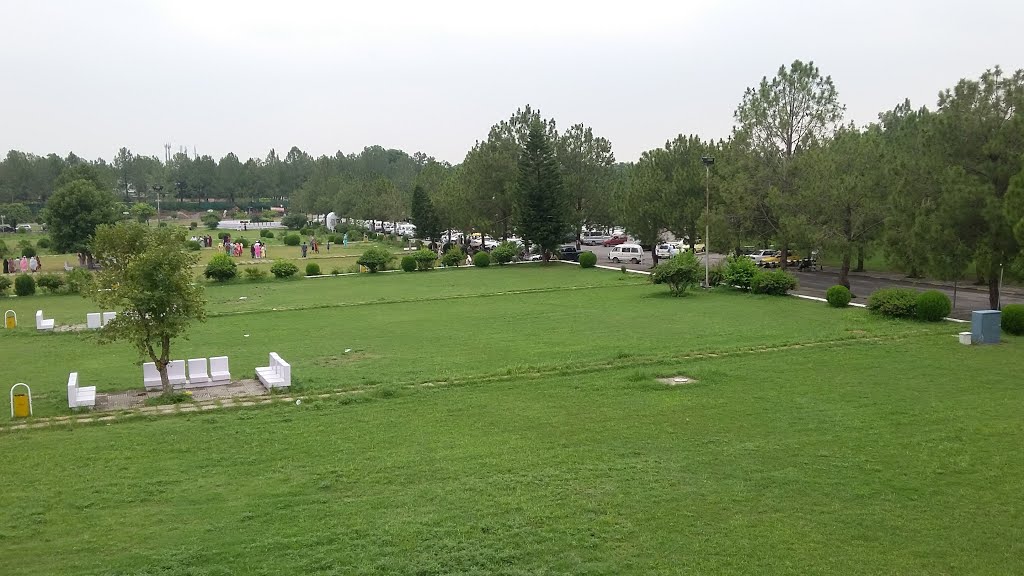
[(979, 129), (375, 258), (74, 212), (777, 121), (123, 163), (587, 162), (142, 212), (428, 226), (543, 209), (147, 278), (15, 214)]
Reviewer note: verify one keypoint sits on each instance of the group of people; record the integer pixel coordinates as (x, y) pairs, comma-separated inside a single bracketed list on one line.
[(15, 265), (204, 241), (257, 251)]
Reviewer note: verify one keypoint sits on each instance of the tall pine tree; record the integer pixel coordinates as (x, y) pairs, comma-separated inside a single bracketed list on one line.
[(428, 225), (544, 206)]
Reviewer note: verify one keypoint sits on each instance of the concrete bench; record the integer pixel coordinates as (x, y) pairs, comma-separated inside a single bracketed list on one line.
[(42, 323), (151, 377), (219, 371), (92, 321), (108, 316), (197, 372), (277, 375), (176, 373), (80, 396)]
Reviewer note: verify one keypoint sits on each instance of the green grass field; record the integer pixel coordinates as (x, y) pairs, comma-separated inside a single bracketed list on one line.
[(814, 440)]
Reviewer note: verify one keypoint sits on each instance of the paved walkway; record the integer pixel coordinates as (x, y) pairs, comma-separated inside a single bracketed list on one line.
[(131, 399)]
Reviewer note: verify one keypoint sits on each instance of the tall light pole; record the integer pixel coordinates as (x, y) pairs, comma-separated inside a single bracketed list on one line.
[(708, 161), (158, 189)]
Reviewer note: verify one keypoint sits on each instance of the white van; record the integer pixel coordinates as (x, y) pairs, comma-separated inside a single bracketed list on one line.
[(632, 253)]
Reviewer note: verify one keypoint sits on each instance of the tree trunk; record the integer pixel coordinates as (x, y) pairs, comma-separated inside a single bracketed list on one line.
[(844, 270), (860, 259), (784, 256), (993, 284)]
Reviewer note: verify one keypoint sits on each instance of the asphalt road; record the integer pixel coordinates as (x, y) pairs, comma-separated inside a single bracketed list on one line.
[(815, 283)]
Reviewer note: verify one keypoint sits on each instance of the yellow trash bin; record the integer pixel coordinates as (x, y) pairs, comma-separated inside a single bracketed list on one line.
[(10, 320), (21, 406)]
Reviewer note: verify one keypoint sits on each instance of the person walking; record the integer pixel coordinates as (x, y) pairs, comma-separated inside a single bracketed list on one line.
[(304, 248), (33, 264), (24, 264)]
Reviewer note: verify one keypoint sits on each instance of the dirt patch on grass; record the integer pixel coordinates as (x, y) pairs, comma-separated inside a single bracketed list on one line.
[(343, 358), (677, 380)]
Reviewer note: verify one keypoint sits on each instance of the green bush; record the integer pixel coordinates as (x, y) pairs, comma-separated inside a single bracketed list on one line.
[(79, 280), (27, 249), (933, 306), (453, 257), (425, 259), (681, 272), (222, 235), (375, 259), (408, 263), (481, 259), (292, 240), (283, 269), (5, 283), (221, 268), (211, 220), (894, 302), (192, 225), (43, 243), (294, 221), (243, 241), (312, 269), (773, 282), (50, 282), (588, 260), (305, 231), (838, 296), (739, 272), (716, 274), (1012, 319), (254, 273), (266, 234), (193, 246), (4, 250), (505, 252), (24, 285)]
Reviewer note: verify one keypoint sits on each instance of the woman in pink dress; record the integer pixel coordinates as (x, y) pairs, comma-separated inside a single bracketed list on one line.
[(24, 264)]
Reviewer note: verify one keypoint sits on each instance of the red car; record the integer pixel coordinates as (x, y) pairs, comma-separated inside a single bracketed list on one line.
[(615, 241)]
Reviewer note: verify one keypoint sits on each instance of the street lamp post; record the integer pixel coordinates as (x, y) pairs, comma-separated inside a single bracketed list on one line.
[(158, 189), (708, 162)]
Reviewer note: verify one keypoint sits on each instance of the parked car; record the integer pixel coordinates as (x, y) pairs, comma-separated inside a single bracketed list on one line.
[(759, 256), (666, 250), (594, 238), (570, 252), (6, 228), (25, 227), (627, 253), (615, 240)]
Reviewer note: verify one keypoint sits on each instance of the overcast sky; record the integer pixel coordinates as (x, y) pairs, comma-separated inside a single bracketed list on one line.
[(247, 76)]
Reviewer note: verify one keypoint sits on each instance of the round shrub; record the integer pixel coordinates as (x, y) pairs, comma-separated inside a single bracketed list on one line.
[(739, 271), (375, 259), (588, 260), (292, 239), (28, 251), (284, 269), (79, 280), (312, 269), (221, 268), (894, 302), (193, 246), (481, 259), (1012, 319), (5, 283), (425, 259), (223, 235), (266, 234), (306, 231), (243, 241), (933, 306), (24, 285), (408, 263), (838, 296), (506, 252), (774, 282), (254, 273), (50, 282), (453, 257), (192, 225), (43, 243)]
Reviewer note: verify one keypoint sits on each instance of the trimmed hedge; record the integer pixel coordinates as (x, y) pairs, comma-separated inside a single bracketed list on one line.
[(588, 260), (774, 282), (838, 296), (932, 306), (1013, 319), (481, 259), (221, 268), (292, 240), (50, 282), (453, 257), (312, 269), (24, 285), (408, 263), (894, 302), (425, 258), (284, 269), (739, 271), (375, 259)]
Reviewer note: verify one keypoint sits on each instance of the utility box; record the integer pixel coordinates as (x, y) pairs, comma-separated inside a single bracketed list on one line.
[(985, 326)]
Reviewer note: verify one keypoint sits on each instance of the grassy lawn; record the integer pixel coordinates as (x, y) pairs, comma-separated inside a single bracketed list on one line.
[(814, 441)]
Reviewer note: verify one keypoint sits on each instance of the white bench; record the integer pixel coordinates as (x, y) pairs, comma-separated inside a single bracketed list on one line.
[(197, 373), (176, 373), (92, 320), (219, 371), (277, 375), (108, 316), (42, 323), (151, 377), (80, 396)]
